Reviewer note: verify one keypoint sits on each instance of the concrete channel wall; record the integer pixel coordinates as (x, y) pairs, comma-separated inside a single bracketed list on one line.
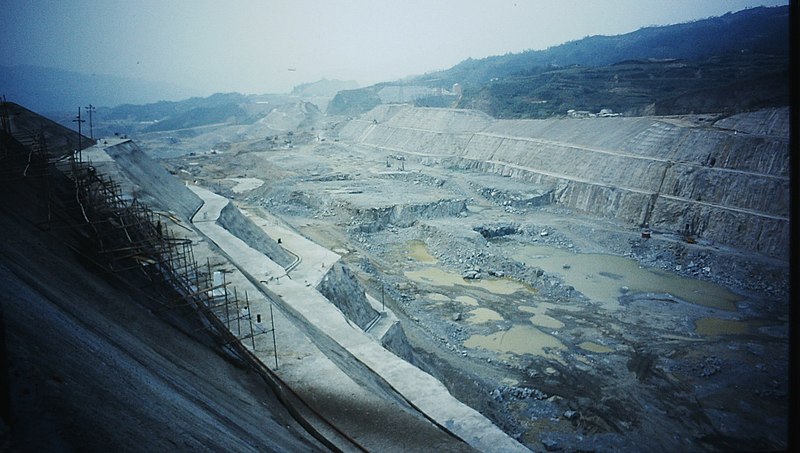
[(242, 227), (724, 180), (351, 349)]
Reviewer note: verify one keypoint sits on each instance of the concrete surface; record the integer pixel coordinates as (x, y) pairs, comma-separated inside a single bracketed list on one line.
[(346, 345)]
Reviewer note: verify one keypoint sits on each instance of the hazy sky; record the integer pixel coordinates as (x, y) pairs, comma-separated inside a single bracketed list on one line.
[(269, 46)]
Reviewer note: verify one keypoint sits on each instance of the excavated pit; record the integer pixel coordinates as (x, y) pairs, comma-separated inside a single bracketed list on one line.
[(717, 183), (514, 257)]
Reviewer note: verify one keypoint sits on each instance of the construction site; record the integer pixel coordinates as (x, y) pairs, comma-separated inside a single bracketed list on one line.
[(409, 279)]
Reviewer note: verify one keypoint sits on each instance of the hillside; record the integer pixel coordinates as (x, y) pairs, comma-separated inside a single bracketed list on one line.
[(324, 87), (46, 89), (627, 72), (757, 30), (730, 83)]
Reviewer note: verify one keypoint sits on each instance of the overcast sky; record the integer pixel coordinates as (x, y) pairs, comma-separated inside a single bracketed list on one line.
[(269, 46)]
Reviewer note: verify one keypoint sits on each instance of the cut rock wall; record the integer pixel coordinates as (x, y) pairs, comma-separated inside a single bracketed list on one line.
[(242, 227), (376, 219), (726, 180), (341, 287)]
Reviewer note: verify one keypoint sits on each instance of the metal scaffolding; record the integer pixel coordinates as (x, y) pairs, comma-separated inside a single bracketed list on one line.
[(126, 235)]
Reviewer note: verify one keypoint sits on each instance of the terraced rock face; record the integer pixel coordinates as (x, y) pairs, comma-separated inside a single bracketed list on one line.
[(725, 180)]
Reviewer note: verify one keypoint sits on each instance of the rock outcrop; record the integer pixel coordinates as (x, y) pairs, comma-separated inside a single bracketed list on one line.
[(342, 288), (242, 227)]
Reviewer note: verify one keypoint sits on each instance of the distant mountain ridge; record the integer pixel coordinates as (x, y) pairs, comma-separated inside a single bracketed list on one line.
[(323, 87), (756, 31), (44, 89)]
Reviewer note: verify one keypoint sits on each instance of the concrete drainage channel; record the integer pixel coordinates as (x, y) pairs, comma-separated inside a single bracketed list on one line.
[(361, 357)]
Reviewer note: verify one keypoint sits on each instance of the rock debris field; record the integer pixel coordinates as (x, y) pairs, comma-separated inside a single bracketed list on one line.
[(608, 284)]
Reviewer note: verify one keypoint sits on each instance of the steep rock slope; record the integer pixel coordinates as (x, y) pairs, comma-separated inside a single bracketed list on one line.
[(725, 181), (341, 287)]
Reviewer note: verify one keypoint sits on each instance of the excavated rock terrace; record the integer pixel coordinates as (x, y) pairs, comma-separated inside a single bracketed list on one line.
[(607, 284)]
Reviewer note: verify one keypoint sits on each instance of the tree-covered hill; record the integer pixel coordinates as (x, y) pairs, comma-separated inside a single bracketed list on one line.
[(669, 69)]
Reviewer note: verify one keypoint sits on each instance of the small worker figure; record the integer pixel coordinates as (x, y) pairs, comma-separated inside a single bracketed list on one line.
[(279, 240)]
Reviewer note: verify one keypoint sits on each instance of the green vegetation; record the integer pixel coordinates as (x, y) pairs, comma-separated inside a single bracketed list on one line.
[(720, 84), (757, 30), (732, 63)]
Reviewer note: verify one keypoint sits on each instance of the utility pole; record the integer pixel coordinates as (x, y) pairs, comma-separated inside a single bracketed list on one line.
[(4, 115), (79, 121), (90, 109)]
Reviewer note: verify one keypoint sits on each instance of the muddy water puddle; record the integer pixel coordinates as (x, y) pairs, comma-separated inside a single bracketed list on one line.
[(539, 317), (418, 251), (595, 347), (467, 300), (717, 326), (519, 339), (481, 315), (438, 277), (601, 277)]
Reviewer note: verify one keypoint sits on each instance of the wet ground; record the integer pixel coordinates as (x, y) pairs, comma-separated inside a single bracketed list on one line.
[(569, 332), (617, 354)]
